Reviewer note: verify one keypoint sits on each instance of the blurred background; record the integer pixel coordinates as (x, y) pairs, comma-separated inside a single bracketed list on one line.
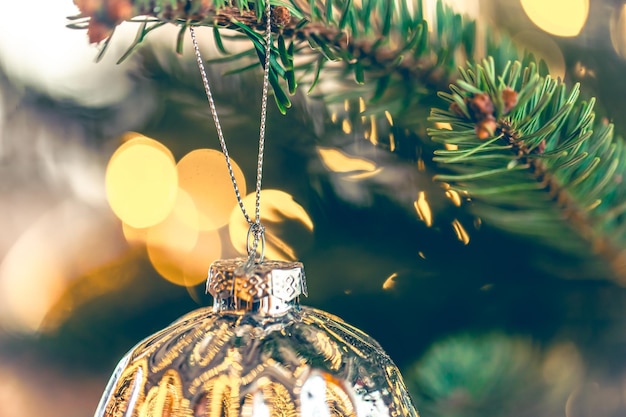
[(114, 201)]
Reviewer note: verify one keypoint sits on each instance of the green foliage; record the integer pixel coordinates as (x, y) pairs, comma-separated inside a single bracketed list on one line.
[(545, 162), (493, 374), (383, 44), (543, 168)]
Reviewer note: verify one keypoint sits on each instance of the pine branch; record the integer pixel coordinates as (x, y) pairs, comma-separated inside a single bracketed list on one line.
[(382, 41), (521, 144), (526, 149)]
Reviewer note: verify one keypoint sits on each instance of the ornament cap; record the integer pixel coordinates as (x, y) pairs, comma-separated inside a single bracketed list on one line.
[(267, 287)]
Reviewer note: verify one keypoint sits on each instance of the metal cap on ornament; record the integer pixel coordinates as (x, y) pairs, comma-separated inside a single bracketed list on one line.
[(265, 287)]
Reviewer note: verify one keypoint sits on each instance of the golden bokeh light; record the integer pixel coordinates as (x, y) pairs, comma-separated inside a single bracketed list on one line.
[(203, 175), (207, 249), (288, 227), (372, 134), (361, 105), (346, 126), (447, 126), (543, 47), (338, 161), (128, 136), (176, 231), (187, 268), (423, 209), (558, 17), (178, 250), (64, 244), (389, 117), (29, 289), (141, 182), (390, 282), (133, 235), (460, 232), (617, 29), (454, 196), (364, 175)]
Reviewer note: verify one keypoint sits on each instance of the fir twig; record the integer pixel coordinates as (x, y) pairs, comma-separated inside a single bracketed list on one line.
[(522, 144), (378, 40), (528, 152)]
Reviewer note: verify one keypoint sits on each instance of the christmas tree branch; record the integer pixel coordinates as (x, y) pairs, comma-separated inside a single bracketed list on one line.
[(522, 145), (389, 43), (526, 149)]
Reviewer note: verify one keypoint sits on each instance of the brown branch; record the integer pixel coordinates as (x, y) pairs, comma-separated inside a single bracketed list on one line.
[(377, 58), (374, 57), (576, 215)]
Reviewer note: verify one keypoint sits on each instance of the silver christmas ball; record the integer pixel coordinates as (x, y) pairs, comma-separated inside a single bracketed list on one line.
[(257, 353)]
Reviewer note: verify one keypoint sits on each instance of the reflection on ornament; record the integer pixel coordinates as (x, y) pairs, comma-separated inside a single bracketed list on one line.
[(257, 353)]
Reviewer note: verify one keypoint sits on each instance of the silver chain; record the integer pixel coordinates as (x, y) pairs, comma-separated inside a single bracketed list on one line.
[(256, 228)]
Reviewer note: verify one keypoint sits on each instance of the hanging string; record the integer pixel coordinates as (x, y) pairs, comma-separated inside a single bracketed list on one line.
[(256, 230)]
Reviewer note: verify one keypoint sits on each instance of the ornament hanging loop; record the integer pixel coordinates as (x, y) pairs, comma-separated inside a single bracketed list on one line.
[(256, 236)]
